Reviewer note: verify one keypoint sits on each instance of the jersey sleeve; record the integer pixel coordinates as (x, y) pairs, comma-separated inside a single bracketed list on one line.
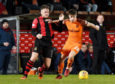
[(34, 23)]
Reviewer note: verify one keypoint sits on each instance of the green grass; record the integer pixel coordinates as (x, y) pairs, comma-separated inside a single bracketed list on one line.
[(50, 79)]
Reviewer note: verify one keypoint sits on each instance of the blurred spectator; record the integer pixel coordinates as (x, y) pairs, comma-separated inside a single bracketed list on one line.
[(29, 2), (110, 5), (48, 2), (84, 59), (28, 5), (9, 6), (90, 49), (7, 43), (3, 10), (71, 4), (90, 5), (105, 68), (104, 5), (41, 2), (59, 6), (111, 58), (100, 44), (55, 60)]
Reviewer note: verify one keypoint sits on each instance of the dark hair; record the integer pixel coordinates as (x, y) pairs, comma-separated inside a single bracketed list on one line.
[(44, 7), (83, 44), (100, 15), (72, 12), (4, 20)]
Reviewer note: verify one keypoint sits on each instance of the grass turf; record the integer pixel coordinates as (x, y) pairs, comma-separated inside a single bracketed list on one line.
[(50, 79)]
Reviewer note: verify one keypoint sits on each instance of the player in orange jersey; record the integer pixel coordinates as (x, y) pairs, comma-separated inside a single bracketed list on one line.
[(74, 41)]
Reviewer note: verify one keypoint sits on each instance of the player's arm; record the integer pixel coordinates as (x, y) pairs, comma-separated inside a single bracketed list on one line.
[(89, 24), (59, 24), (34, 27), (61, 19)]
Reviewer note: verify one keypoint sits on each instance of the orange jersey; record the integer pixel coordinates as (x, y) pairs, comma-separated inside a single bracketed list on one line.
[(74, 40), (75, 32)]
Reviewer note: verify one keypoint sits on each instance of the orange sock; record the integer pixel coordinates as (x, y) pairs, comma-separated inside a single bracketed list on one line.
[(69, 63), (60, 68)]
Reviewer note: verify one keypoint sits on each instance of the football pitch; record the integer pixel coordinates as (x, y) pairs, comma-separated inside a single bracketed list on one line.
[(50, 79)]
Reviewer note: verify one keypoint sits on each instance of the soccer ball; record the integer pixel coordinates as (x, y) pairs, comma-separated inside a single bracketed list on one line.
[(83, 74)]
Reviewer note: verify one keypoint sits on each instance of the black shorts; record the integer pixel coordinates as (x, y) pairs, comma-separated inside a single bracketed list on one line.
[(44, 48)]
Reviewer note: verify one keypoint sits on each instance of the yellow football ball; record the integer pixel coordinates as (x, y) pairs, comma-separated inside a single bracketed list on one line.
[(83, 74)]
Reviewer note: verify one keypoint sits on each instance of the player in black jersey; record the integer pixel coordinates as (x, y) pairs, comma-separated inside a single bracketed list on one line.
[(42, 29)]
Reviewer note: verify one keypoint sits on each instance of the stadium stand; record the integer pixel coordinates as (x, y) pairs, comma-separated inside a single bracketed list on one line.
[(27, 40)]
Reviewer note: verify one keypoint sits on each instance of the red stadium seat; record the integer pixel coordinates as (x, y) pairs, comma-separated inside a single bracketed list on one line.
[(27, 40)]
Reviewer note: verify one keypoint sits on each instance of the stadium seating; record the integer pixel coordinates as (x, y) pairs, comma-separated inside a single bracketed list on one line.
[(27, 40)]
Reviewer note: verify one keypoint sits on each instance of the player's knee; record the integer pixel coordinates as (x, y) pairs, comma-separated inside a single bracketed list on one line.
[(47, 66), (34, 56)]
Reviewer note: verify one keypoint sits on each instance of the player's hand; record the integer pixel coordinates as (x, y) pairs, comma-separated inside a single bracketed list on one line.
[(6, 44), (61, 17), (97, 27), (86, 22), (39, 36), (48, 20)]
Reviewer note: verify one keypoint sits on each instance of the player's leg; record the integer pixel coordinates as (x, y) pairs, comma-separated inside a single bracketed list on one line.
[(30, 63), (47, 54), (47, 63), (61, 66), (45, 66), (70, 61), (47, 57)]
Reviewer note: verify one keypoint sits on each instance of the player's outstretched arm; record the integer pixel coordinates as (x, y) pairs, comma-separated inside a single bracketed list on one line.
[(89, 24), (61, 18)]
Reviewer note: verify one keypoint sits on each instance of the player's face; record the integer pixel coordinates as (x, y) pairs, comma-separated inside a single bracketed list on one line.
[(100, 19), (45, 13), (5, 25), (84, 48), (90, 49), (72, 18)]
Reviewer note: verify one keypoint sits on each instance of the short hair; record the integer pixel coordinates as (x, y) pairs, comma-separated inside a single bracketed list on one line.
[(4, 20), (100, 15), (72, 12), (44, 7)]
